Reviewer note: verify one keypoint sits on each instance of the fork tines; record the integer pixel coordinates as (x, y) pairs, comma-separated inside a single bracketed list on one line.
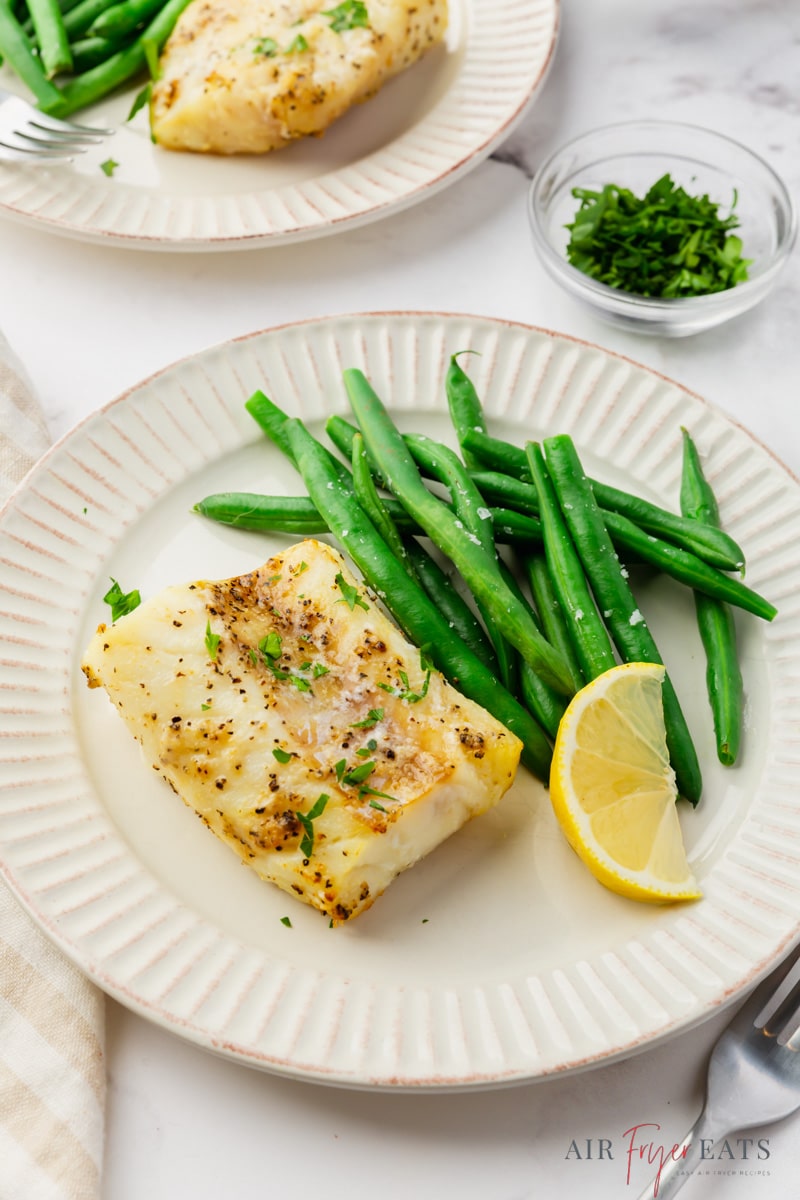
[(780, 1016), (73, 129), (43, 150), (26, 132), (79, 134)]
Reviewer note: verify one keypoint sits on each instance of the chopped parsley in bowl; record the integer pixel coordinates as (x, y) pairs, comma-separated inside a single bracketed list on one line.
[(661, 227)]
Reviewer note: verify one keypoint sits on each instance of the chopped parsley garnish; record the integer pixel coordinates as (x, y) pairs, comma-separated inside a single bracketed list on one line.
[(277, 671), (121, 602), (307, 821), (405, 692), (287, 921), (667, 243), (108, 167), (303, 567), (318, 670), (299, 45), (350, 14), (212, 642), (370, 748), (152, 50), (370, 720), (271, 645), (359, 773), (366, 790), (141, 99), (205, 707), (283, 756), (270, 648), (350, 594), (265, 46)]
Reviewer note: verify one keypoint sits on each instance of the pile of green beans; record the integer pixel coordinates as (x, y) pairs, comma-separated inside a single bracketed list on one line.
[(522, 630), (72, 53)]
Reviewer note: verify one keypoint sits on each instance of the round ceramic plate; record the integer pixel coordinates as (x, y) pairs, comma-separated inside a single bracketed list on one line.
[(424, 130), (498, 959)]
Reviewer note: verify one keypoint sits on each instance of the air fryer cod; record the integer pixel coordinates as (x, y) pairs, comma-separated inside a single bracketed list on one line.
[(307, 733), (254, 75)]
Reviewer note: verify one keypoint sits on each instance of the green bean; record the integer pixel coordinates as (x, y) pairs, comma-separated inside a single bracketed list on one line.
[(697, 498), (707, 542), (673, 560), (588, 634), (509, 525), (551, 614), (22, 13), (273, 422), (418, 563), (17, 51), (121, 19), (367, 496), (48, 25), (715, 622), (613, 595), (444, 594), (712, 544), (387, 448), (79, 18), (497, 455), (501, 488), (444, 464), (89, 52), (296, 514), (686, 567), (263, 514), (463, 402), (416, 614), (91, 86), (341, 432), (547, 706)]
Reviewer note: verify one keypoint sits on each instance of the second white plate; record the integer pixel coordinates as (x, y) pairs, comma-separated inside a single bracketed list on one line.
[(496, 960), (423, 131)]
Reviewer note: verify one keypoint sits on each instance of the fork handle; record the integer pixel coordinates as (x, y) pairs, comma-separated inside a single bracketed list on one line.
[(676, 1170)]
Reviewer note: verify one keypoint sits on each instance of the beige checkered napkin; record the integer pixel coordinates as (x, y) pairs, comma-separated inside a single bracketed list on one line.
[(52, 1073)]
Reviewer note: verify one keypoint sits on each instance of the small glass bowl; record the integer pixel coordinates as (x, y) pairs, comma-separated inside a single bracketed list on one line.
[(635, 154)]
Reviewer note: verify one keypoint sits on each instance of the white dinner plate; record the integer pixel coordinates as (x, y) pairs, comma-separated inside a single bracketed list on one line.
[(423, 131), (496, 960)]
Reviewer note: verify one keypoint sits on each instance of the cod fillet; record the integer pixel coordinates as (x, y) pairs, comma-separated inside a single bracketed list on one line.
[(250, 76), (307, 733)]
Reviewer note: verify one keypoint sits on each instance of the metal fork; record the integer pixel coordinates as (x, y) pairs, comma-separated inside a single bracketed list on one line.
[(26, 133), (753, 1075)]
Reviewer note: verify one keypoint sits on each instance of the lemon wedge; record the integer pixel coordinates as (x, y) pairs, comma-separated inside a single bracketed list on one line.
[(613, 790)]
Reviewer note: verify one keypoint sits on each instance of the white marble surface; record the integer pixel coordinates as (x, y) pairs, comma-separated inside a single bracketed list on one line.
[(91, 321)]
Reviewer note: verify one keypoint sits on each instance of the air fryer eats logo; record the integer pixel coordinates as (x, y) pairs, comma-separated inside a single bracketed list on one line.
[(644, 1153)]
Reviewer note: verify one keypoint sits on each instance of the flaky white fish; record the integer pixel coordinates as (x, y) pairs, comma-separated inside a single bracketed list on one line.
[(300, 724), (248, 76)]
